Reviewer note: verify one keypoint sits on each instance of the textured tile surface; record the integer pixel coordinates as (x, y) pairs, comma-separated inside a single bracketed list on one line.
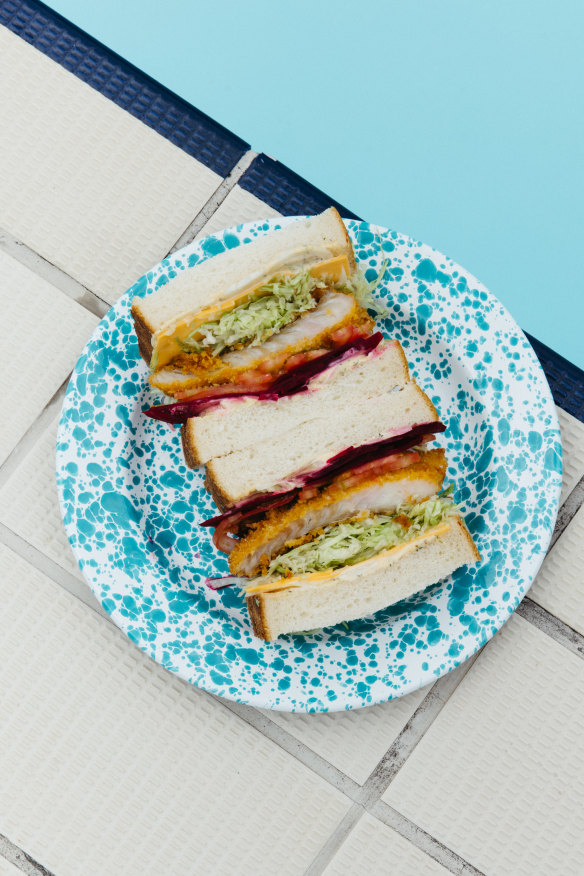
[(559, 586), (573, 447), (50, 328), (374, 849), (499, 776), (96, 742), (123, 83), (29, 503), (353, 741), (8, 869), (84, 183), (239, 206)]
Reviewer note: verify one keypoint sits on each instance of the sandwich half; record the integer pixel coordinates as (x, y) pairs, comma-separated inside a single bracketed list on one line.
[(347, 544), (244, 316), (324, 591)]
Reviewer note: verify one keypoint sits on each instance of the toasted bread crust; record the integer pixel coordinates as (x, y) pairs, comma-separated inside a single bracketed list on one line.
[(255, 608), (189, 447), (404, 361), (350, 251), (463, 528), (143, 332), (432, 465), (219, 497), (435, 414)]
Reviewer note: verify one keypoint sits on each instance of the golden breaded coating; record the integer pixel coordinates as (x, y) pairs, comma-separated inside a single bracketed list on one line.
[(431, 466), (210, 371)]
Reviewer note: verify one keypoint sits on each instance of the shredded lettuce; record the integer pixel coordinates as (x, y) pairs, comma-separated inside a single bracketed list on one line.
[(281, 301), (363, 290), (343, 544)]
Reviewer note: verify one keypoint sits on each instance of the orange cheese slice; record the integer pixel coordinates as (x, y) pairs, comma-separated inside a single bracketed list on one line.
[(166, 344)]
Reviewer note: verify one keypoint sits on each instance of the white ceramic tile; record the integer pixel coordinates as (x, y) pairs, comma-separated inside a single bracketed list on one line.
[(84, 183), (559, 586), (8, 869), (111, 765), (29, 503), (353, 741), (374, 849), (499, 776), (573, 447), (42, 332), (239, 206)]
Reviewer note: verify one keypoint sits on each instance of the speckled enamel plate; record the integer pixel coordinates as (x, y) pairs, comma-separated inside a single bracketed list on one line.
[(131, 506)]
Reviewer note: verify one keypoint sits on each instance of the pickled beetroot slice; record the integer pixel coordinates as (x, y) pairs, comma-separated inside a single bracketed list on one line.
[(353, 456), (296, 379), (347, 459), (180, 411), (254, 505), (289, 383)]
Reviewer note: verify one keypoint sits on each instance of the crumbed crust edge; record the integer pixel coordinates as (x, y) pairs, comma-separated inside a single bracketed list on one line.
[(143, 331), (255, 609), (219, 497)]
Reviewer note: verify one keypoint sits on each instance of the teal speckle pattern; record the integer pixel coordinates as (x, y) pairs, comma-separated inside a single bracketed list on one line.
[(131, 506)]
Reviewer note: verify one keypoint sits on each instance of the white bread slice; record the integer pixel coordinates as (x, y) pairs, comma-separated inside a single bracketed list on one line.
[(266, 464), (236, 424), (294, 247), (327, 598)]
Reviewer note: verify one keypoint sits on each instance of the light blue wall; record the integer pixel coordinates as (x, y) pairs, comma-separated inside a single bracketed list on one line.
[(459, 122)]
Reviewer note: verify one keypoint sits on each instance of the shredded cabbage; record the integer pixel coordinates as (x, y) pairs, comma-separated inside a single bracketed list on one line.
[(281, 301), (343, 544), (363, 290)]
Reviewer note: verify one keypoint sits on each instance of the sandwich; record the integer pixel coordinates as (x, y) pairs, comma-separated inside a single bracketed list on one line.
[(315, 438), (248, 315), (351, 542)]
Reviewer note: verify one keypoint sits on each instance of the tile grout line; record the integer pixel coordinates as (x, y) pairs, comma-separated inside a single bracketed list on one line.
[(214, 202), (56, 573), (294, 747), (84, 296), (33, 434), (409, 737), (552, 626), (17, 856), (422, 840), (250, 715), (567, 512), (54, 275), (412, 733), (390, 764), (335, 840)]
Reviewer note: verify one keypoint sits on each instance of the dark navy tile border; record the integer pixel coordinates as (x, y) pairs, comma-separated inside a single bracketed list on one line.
[(565, 379), (211, 143), (143, 97), (285, 191)]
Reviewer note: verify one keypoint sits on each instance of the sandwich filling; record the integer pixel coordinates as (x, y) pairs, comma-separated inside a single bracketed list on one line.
[(380, 487), (278, 303), (290, 315), (353, 541)]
